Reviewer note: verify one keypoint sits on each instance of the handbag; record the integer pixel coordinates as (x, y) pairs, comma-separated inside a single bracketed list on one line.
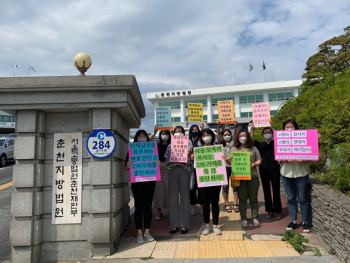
[(235, 183)]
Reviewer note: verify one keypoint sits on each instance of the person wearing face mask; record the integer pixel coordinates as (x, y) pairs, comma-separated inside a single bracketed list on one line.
[(143, 196), (195, 195), (227, 139), (269, 172), (210, 195), (179, 189), (161, 196), (248, 189), (295, 180)]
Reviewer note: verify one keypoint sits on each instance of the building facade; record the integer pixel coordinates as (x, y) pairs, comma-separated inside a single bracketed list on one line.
[(7, 123), (243, 96)]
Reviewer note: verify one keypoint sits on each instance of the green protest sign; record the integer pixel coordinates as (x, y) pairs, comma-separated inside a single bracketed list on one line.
[(240, 166)]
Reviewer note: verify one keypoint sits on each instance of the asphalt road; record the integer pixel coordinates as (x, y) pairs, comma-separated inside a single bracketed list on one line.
[(5, 211)]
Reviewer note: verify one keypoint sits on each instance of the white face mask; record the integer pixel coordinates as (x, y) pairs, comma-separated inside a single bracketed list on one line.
[(290, 129), (165, 137), (243, 140), (179, 134), (268, 136), (206, 140), (227, 138)]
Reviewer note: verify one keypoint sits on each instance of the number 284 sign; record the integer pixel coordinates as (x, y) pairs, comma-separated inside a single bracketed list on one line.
[(101, 143)]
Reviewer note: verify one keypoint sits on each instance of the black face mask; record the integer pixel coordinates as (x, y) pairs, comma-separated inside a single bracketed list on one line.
[(195, 134)]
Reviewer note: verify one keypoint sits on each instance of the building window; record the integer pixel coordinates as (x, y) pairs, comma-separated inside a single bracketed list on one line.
[(251, 99), (214, 102), (288, 95), (204, 102), (246, 114), (280, 96), (176, 119), (273, 112), (299, 92), (205, 117), (186, 118), (215, 117), (173, 105)]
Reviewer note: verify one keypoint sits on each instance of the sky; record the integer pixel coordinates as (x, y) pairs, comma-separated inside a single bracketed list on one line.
[(169, 44)]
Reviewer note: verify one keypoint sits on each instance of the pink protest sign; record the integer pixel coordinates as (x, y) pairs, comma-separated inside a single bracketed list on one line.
[(261, 114), (144, 156), (210, 167), (296, 145), (179, 149)]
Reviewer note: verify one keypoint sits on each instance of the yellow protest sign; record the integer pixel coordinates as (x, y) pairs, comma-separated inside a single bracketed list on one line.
[(226, 111), (195, 113)]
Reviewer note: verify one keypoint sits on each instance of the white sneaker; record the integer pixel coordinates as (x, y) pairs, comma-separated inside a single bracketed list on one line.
[(149, 237), (256, 222), (217, 230), (244, 223), (140, 239), (206, 230)]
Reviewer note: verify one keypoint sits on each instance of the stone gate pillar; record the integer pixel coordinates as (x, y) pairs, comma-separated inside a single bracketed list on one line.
[(48, 105)]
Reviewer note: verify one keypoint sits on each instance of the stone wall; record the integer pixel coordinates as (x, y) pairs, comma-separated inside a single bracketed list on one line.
[(330, 217), (48, 105)]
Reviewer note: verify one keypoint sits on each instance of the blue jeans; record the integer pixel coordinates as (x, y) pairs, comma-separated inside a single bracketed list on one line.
[(226, 187), (297, 187)]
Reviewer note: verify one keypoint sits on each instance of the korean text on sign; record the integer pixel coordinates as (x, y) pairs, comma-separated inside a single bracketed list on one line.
[(163, 118), (261, 114), (210, 166), (179, 149), (195, 113), (67, 178), (296, 145), (226, 111), (240, 166), (144, 156)]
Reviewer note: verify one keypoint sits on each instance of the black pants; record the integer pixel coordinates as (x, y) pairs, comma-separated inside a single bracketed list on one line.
[(272, 176), (143, 197), (193, 193), (210, 195)]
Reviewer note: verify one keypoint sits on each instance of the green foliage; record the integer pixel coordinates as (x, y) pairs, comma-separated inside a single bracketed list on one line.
[(295, 240), (323, 106), (338, 174), (317, 252), (332, 58), (332, 252), (147, 258)]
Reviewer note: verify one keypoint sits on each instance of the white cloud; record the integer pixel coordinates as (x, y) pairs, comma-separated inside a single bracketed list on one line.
[(168, 44)]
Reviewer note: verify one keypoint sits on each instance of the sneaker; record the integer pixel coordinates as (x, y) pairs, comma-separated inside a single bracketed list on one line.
[(193, 213), (217, 230), (159, 215), (202, 213), (140, 239), (149, 237), (291, 226), (244, 223), (306, 227), (206, 230), (256, 222)]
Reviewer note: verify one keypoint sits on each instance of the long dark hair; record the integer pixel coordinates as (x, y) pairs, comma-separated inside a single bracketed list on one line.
[(138, 133), (208, 131), (291, 121), (181, 128), (167, 133), (191, 130), (249, 143), (223, 142)]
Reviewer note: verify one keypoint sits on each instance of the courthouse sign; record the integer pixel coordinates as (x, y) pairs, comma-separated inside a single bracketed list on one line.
[(67, 178)]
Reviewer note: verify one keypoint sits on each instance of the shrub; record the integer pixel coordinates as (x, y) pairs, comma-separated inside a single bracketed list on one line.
[(296, 240)]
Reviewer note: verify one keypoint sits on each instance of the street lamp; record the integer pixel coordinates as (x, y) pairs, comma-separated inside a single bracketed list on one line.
[(82, 62)]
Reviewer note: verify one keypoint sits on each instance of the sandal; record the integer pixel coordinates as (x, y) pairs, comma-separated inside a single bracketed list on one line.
[(228, 210), (235, 208)]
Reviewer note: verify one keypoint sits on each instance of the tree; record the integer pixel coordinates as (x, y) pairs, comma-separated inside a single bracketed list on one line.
[(332, 58)]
